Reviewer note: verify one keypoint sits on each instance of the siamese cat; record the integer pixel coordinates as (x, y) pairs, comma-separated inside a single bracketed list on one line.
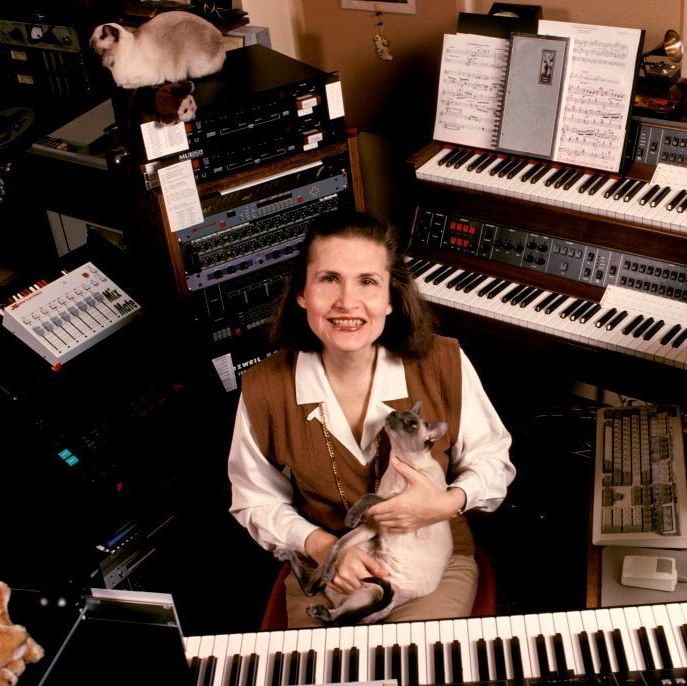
[(416, 560), (172, 46)]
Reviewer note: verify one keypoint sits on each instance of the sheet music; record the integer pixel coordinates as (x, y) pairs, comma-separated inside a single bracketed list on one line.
[(471, 83), (597, 95)]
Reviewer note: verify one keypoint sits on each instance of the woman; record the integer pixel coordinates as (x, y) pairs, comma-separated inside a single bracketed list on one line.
[(356, 342)]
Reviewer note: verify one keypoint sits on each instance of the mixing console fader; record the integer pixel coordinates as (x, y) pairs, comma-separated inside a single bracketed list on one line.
[(64, 317)]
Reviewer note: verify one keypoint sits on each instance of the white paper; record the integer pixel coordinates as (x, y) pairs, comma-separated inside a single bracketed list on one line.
[(181, 195), (224, 366), (163, 139), (471, 83), (670, 175), (597, 95), (335, 103)]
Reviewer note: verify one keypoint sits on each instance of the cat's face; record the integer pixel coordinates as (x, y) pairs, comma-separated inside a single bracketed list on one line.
[(106, 39), (411, 435)]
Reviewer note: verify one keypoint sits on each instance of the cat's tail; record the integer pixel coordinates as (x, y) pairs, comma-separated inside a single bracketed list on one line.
[(357, 615)]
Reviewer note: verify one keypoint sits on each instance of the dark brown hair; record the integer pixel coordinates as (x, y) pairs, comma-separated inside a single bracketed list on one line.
[(408, 329)]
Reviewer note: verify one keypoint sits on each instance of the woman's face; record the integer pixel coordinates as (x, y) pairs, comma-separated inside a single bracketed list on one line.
[(346, 294)]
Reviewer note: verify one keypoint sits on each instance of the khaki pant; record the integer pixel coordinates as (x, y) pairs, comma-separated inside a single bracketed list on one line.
[(453, 597)]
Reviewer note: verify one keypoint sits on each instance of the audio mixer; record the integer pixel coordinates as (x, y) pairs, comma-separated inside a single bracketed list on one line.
[(64, 317)]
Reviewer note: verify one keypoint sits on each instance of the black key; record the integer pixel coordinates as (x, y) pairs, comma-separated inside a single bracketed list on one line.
[(536, 177), (676, 200), (683, 206), (378, 664), (683, 634), (414, 261), (531, 172), (634, 190), (635, 322), (210, 669), (447, 157), (556, 304), (336, 666), (571, 308), (511, 165), (554, 177), (590, 313), (561, 180), (499, 658), (680, 339), (396, 662), (616, 320), (475, 282), (531, 297), (661, 195), (294, 667), (619, 649), (517, 299), (600, 183), (477, 161), (649, 194), (445, 275), (646, 648), (663, 649), (641, 329), (624, 188), (654, 330), (460, 161), (495, 170), (513, 292), (419, 271), (489, 161), (235, 671), (463, 280), (602, 650), (252, 670), (516, 658), (542, 657), (456, 663), (579, 310), (439, 673), (435, 272), (353, 664), (457, 278), (545, 302), (485, 289), (419, 265), (497, 289), (669, 334), (584, 187), (604, 319), (514, 171), (559, 652), (310, 666), (413, 671), (195, 668), (572, 180), (462, 285), (482, 660), (613, 188), (586, 651)]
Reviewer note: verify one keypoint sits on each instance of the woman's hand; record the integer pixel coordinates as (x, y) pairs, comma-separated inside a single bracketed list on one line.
[(422, 502), (352, 566)]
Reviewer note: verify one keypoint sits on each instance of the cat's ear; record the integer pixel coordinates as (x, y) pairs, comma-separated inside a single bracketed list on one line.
[(417, 407), (110, 31), (436, 431)]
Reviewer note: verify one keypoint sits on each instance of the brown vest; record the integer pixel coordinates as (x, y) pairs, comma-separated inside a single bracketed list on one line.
[(288, 439)]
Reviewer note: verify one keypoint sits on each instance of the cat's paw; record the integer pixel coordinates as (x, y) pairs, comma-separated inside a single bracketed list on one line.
[(320, 612), (329, 569), (283, 554)]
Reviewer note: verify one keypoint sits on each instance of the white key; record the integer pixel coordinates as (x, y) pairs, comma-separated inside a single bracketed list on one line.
[(431, 637), (446, 638), (417, 635), (662, 619), (517, 624), (548, 630), (404, 640), (633, 624), (504, 632), (290, 644), (303, 644), (347, 636), (388, 640), (262, 645), (460, 634), (219, 650), (590, 626), (331, 642), (489, 633), (360, 642), (247, 649), (533, 630), (191, 648), (603, 620), (573, 659), (374, 639), (618, 622), (649, 623), (576, 628), (677, 619)]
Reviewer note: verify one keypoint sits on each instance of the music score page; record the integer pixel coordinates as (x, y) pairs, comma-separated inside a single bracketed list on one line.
[(471, 85), (597, 95)]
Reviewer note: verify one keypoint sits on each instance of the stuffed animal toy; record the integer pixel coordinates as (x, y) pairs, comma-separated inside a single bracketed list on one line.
[(168, 104), (17, 648)]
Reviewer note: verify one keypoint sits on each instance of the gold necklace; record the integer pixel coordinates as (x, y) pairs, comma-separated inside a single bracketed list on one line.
[(332, 458)]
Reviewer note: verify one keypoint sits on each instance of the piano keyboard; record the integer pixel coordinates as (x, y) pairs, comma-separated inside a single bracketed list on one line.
[(625, 321), (606, 195), (555, 647)]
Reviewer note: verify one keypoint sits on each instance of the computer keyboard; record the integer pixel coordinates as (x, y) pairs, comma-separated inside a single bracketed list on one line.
[(640, 490)]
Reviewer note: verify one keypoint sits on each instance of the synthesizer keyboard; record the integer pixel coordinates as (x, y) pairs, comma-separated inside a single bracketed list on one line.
[(626, 321), (640, 489), (62, 318), (606, 195), (643, 645)]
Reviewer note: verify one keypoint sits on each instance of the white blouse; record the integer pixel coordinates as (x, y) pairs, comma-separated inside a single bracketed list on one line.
[(262, 494)]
